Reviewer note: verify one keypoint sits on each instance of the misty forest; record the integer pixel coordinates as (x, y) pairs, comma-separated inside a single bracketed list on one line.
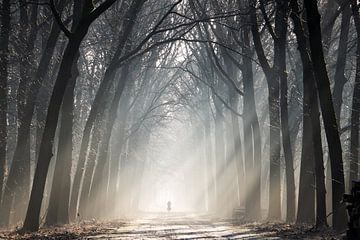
[(179, 119)]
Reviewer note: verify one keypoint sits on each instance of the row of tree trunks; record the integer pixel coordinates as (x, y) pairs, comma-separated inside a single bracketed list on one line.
[(327, 109), (96, 108), (90, 168), (273, 79), (95, 192), (117, 151), (139, 170), (27, 36), (311, 137), (45, 154), (25, 124), (65, 71)]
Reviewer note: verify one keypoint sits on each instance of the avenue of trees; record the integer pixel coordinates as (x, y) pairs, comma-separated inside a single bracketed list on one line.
[(269, 90)]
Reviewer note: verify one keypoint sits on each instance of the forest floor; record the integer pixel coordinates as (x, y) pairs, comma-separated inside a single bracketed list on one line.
[(175, 226)]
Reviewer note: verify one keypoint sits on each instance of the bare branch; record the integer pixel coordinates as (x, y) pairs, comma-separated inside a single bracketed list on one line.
[(58, 19)]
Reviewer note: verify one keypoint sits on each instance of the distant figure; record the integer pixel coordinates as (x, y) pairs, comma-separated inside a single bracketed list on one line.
[(168, 206)]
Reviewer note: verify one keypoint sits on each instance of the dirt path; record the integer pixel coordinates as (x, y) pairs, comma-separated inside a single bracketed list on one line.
[(180, 226), (173, 226)]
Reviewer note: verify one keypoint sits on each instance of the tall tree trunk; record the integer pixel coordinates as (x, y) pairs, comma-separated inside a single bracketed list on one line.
[(274, 111), (327, 108), (252, 139), (234, 145), (355, 108), (306, 197), (280, 67), (340, 79), (311, 136), (321, 219), (60, 190), (62, 173), (289, 161), (66, 146), (275, 184), (4, 59), (249, 153)]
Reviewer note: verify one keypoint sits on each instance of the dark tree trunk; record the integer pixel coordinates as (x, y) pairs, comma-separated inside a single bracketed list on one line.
[(321, 219), (60, 188), (340, 79), (306, 199), (274, 112), (4, 55), (280, 68), (289, 164), (234, 152), (252, 139), (275, 184), (311, 137), (58, 212), (355, 109), (45, 153), (327, 108), (65, 154)]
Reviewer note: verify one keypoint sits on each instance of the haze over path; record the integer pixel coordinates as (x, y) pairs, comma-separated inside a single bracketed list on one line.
[(181, 226)]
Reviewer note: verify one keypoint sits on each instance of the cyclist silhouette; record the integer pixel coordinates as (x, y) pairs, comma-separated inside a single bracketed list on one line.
[(168, 206)]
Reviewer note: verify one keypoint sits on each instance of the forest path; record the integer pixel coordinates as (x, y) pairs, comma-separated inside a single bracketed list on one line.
[(172, 226), (181, 226)]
